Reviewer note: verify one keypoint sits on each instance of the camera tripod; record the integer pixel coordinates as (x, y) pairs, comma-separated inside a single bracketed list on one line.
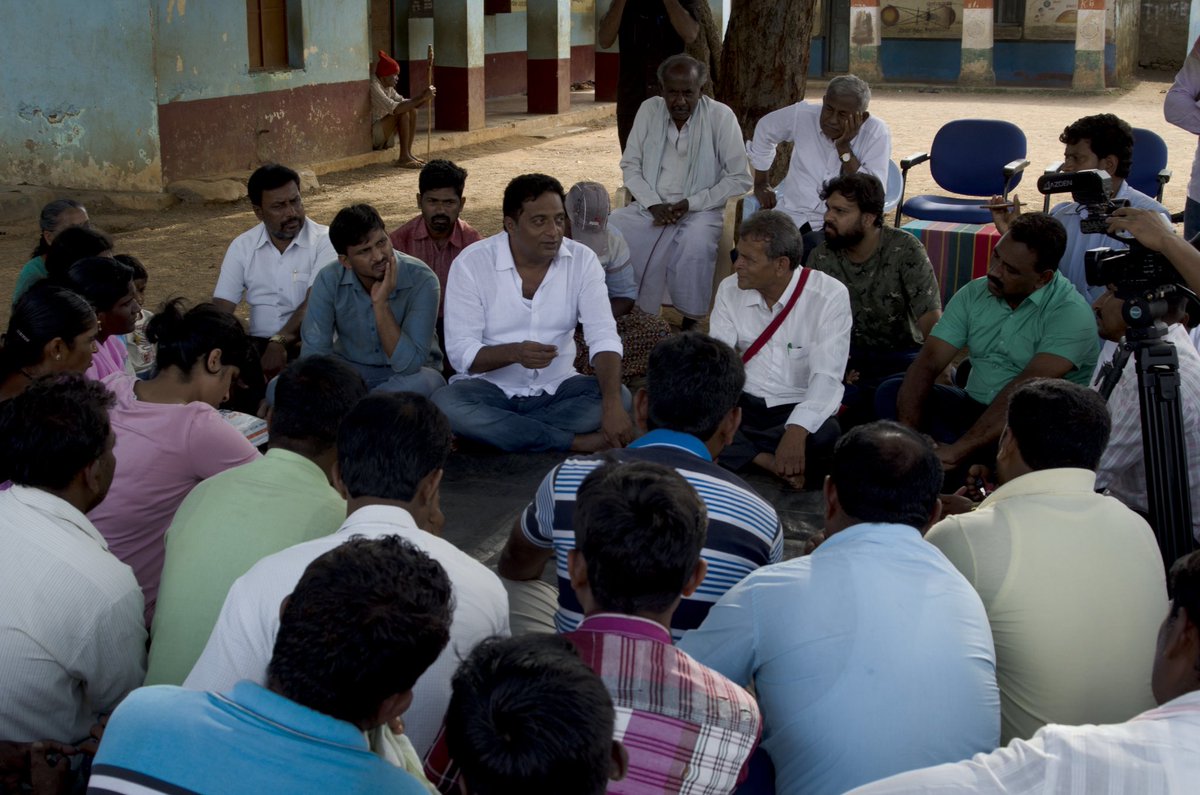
[(1168, 493)]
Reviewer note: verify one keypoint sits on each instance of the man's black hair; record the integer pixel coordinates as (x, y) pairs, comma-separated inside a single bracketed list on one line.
[(886, 472), (527, 188), (1058, 424), (778, 232), (182, 338), (269, 177), (73, 244), (48, 221), (101, 280), (364, 622), (442, 173), (46, 312), (1106, 135), (352, 225), (1184, 581), (640, 528), (692, 382), (865, 190), (312, 397), (135, 265), (527, 715), (390, 441), (1042, 234), (53, 430)]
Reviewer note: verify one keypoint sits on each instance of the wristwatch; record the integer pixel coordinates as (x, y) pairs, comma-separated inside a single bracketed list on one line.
[(282, 340), (845, 157)]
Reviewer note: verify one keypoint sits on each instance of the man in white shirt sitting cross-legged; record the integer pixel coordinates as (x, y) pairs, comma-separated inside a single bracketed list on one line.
[(512, 303), (791, 325)]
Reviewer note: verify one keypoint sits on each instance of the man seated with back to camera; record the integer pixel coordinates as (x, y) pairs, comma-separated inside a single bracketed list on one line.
[(1022, 320), (1122, 470)]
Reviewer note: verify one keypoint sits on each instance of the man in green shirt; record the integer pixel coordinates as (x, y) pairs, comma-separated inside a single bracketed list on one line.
[(1022, 320), (232, 520), (894, 294)]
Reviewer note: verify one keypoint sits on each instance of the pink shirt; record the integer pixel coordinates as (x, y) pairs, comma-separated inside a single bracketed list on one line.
[(109, 358), (413, 239), (162, 451)]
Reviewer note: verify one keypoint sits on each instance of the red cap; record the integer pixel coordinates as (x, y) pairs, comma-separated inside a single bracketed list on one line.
[(386, 65)]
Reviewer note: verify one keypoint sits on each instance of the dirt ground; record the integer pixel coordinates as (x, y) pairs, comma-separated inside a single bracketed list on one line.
[(183, 245)]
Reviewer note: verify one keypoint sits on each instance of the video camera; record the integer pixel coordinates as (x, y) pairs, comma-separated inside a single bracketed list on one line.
[(1135, 270), (1092, 189)]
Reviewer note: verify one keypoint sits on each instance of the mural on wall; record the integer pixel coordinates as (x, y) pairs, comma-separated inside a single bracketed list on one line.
[(921, 19), (1057, 19)]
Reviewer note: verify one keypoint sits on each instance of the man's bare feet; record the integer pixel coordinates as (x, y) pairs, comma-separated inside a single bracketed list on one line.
[(766, 462), (410, 162), (589, 443)]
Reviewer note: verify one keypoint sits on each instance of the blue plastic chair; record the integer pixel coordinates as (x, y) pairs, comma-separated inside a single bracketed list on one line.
[(1148, 174), (975, 158)]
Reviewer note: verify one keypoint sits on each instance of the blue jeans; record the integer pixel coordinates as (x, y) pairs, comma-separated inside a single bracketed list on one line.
[(479, 410), (424, 382), (1191, 218), (948, 414)]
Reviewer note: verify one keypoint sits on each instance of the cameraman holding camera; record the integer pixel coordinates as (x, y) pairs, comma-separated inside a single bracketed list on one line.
[(1122, 469), (1102, 142)]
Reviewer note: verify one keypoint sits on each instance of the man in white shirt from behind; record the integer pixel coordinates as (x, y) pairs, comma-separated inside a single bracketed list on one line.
[(683, 161), (837, 137), (513, 301), (1155, 753), (72, 638), (274, 264), (391, 450), (794, 381)]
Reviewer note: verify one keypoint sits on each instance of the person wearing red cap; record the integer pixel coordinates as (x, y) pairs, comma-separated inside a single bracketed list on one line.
[(393, 116)]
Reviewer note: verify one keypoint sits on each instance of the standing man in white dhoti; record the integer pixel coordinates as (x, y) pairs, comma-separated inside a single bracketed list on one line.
[(684, 159)]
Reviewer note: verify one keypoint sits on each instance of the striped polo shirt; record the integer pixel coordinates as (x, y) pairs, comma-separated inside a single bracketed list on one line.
[(744, 532)]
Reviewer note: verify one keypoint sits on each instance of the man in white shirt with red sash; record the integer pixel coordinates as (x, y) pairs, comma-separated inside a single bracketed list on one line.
[(791, 326)]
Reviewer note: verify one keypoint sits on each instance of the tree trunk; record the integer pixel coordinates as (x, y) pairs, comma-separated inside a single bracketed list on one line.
[(764, 63)]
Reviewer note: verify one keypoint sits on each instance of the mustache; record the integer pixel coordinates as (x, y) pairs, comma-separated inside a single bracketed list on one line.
[(439, 219)]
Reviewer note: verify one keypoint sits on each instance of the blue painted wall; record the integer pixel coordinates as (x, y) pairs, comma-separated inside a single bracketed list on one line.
[(203, 51), (1047, 64), (920, 60), (77, 98), (816, 56)]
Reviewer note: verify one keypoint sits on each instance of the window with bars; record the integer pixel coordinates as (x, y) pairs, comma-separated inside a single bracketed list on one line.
[(274, 32)]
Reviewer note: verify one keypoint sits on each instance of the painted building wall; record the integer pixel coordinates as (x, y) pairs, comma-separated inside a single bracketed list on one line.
[(66, 124), (1163, 34), (217, 115)]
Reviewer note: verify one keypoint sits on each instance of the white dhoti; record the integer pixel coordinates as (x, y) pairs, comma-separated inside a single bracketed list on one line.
[(677, 260)]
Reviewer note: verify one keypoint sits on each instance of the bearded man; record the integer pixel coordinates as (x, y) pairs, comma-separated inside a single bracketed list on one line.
[(894, 296)]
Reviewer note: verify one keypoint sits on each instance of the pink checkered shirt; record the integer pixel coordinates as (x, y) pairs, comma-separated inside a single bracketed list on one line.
[(686, 728)]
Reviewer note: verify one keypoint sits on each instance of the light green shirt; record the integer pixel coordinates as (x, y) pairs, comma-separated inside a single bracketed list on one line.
[(1055, 319), (226, 525), (1074, 589)]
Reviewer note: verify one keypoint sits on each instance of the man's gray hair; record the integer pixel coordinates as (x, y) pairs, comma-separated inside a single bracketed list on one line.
[(850, 86), (676, 61), (780, 234)]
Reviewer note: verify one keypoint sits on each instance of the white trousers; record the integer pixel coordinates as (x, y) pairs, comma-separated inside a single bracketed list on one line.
[(674, 264)]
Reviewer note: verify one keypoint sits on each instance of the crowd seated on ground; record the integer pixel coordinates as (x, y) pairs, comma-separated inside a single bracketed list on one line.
[(984, 588)]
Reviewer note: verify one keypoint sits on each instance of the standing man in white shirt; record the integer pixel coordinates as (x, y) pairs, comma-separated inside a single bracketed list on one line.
[(512, 303), (1182, 108), (791, 325), (684, 159), (1155, 753), (835, 138), (391, 449), (72, 638), (273, 265)]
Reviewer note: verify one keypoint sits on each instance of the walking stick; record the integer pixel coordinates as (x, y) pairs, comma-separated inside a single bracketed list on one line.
[(429, 113)]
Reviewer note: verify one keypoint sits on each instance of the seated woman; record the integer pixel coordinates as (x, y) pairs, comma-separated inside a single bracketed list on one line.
[(52, 330), (56, 216), (108, 287), (169, 433), (587, 222)]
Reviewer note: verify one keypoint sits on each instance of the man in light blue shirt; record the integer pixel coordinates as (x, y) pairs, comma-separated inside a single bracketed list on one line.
[(873, 655), (375, 308), (1103, 142)]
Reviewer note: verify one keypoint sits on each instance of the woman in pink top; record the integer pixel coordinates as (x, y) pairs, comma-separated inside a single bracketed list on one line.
[(108, 287), (169, 433), (52, 330)]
